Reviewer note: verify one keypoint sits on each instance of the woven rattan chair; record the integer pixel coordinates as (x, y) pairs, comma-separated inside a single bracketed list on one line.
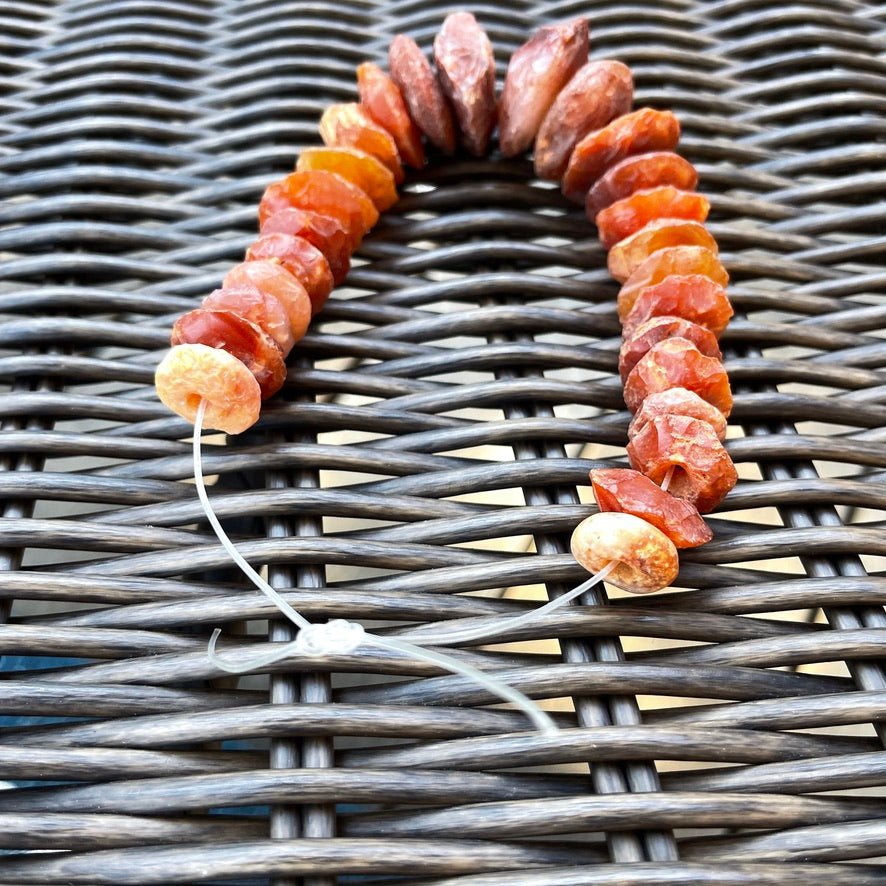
[(426, 462)]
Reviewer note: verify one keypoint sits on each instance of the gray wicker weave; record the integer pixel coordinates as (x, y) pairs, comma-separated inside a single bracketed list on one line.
[(426, 462)]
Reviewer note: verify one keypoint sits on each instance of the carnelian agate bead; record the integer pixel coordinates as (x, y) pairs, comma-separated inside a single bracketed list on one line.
[(193, 372), (328, 234), (258, 307), (322, 191), (599, 92), (677, 363), (625, 216), (703, 471), (694, 297), (466, 74), (384, 103), (255, 349), (348, 125), (635, 133), (273, 278), (637, 173), (628, 254), (677, 401), (421, 91), (665, 262), (536, 73), (646, 559), (646, 336), (302, 259), (630, 492), (358, 167)]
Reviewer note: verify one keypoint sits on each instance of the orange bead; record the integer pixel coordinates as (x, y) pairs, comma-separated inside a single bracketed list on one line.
[(466, 73), (665, 262), (677, 401), (302, 259), (328, 234), (677, 363), (701, 470), (271, 277), (694, 297), (358, 167), (640, 131), (348, 125), (238, 336), (637, 173), (657, 329), (421, 91), (630, 492), (385, 104), (258, 307), (192, 372), (599, 92), (325, 192), (646, 559), (628, 254), (537, 72), (628, 215)]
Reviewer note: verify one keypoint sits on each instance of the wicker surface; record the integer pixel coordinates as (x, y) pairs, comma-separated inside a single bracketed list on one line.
[(427, 461)]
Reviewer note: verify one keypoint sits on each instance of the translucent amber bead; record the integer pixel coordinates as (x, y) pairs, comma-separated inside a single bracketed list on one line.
[(646, 336), (674, 260), (537, 72), (358, 167), (629, 253), (258, 307), (646, 559), (694, 297), (385, 104), (703, 472), (421, 91), (597, 93), (638, 172), (271, 277), (630, 492), (238, 336), (328, 234), (302, 259), (638, 132), (466, 73), (677, 401), (192, 372), (325, 192), (348, 125), (628, 215), (677, 363)]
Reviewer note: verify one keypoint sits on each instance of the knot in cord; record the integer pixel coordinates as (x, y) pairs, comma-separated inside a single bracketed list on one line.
[(336, 636)]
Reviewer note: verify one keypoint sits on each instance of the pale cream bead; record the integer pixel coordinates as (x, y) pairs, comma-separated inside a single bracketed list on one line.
[(646, 559)]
